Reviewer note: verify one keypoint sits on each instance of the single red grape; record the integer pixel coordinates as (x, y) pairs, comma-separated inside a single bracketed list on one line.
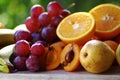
[(65, 13), (22, 48), (37, 49), (33, 63), (36, 10), (56, 20), (22, 35), (42, 42), (20, 63), (49, 34), (32, 25), (44, 19), (54, 8), (36, 36)]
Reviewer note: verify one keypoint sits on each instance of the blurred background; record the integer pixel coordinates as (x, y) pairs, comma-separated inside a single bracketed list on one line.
[(14, 12)]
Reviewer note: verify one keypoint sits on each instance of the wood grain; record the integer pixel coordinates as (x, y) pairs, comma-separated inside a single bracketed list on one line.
[(112, 74)]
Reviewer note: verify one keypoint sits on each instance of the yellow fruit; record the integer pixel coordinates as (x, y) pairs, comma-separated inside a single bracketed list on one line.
[(118, 54), (6, 37), (20, 27), (53, 55), (107, 20), (77, 27), (2, 26), (96, 56)]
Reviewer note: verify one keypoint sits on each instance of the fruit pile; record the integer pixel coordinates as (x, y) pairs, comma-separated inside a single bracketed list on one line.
[(30, 48), (59, 39)]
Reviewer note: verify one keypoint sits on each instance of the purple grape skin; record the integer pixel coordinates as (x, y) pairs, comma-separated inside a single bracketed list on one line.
[(22, 48), (54, 8), (65, 13), (36, 36), (36, 10), (20, 63), (37, 49), (42, 42), (44, 19), (22, 35), (33, 63), (49, 34)]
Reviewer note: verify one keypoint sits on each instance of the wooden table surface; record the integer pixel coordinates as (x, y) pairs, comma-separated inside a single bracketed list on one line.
[(112, 74)]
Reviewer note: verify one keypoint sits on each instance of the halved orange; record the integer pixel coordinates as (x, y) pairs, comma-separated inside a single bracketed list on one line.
[(107, 20), (77, 27)]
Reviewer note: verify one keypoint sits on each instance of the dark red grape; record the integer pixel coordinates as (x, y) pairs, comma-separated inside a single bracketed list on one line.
[(56, 20), (36, 36), (44, 19), (20, 63), (65, 12), (49, 34), (42, 42), (37, 49), (54, 8), (22, 35), (36, 10), (32, 25), (22, 48), (33, 63)]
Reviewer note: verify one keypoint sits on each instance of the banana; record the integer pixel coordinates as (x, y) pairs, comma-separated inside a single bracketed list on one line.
[(6, 37), (118, 54), (5, 54), (20, 27), (3, 66), (53, 55)]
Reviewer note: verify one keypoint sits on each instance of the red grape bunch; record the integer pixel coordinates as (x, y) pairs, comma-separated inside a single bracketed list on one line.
[(30, 45)]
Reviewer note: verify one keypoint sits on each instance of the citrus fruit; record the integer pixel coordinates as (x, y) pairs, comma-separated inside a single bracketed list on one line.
[(77, 27), (107, 20)]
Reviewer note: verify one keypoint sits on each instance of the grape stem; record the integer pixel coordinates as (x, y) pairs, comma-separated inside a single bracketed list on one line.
[(71, 5)]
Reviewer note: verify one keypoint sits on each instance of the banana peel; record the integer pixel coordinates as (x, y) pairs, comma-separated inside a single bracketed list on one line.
[(21, 27), (3, 66), (5, 54), (6, 37)]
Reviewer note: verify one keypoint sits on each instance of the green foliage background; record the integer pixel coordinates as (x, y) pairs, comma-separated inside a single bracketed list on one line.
[(14, 12)]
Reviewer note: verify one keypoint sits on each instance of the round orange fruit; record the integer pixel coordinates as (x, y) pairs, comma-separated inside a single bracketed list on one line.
[(113, 44), (107, 20), (77, 27)]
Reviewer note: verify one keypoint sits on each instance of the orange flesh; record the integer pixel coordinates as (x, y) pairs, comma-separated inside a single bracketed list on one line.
[(107, 18), (75, 26)]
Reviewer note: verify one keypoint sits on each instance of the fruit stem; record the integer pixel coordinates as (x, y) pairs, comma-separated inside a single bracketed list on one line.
[(71, 5)]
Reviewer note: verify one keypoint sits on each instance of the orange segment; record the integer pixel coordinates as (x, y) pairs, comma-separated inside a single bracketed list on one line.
[(107, 18), (77, 27)]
